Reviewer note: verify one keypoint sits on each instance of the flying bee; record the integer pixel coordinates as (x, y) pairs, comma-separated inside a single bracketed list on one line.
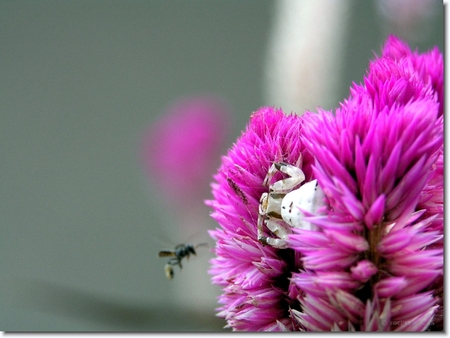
[(181, 251)]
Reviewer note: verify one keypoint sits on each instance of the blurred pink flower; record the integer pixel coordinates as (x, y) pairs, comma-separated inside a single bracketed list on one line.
[(375, 260), (180, 151)]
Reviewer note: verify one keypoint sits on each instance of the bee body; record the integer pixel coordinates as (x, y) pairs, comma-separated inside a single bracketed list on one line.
[(181, 251)]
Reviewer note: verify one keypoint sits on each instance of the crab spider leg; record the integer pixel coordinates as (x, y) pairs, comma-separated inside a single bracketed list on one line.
[(270, 173), (286, 168), (277, 227), (277, 243), (260, 224), (274, 242), (270, 204), (296, 176)]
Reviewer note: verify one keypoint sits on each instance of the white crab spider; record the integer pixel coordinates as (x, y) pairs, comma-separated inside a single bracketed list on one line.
[(279, 209)]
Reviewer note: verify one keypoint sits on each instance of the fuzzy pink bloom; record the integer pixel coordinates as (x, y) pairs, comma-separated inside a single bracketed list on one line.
[(375, 259), (254, 277), (379, 161), (373, 167), (400, 75), (181, 149)]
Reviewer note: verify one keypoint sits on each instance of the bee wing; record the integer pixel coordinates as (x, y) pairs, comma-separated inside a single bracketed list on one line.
[(166, 254)]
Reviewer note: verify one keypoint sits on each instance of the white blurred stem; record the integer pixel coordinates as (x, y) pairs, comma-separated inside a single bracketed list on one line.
[(306, 53)]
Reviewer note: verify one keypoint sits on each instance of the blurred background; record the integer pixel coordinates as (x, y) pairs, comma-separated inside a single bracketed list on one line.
[(102, 166)]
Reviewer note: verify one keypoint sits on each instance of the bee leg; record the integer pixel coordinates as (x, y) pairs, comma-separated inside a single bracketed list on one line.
[(175, 261), (169, 271)]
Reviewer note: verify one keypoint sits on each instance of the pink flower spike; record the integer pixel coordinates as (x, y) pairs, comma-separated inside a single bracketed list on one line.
[(347, 240), (319, 313), (328, 259), (318, 284), (302, 239), (423, 259), (351, 306), (363, 270), (417, 283), (375, 213), (429, 66), (417, 324), (409, 307), (395, 241), (395, 49), (243, 263), (390, 287), (377, 315)]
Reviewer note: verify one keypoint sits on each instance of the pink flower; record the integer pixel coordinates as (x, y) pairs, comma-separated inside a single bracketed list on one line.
[(372, 259), (400, 75), (255, 278), (374, 167), (180, 150), (379, 161)]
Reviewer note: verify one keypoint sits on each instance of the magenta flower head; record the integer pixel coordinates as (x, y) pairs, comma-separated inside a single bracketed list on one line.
[(400, 75), (334, 220), (379, 161), (255, 278), (378, 255)]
